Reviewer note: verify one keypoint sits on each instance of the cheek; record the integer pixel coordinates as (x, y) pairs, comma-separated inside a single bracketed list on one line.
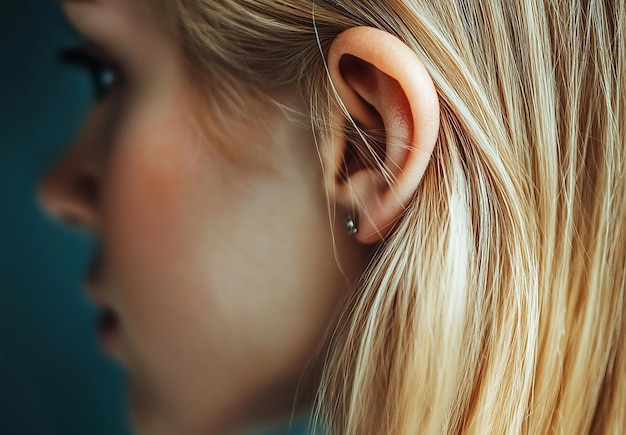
[(159, 209), (149, 191), (227, 280)]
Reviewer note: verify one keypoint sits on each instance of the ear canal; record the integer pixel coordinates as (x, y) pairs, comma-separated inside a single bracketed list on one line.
[(388, 116)]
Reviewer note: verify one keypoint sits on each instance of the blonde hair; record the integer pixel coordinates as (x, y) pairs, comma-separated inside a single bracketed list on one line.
[(497, 303)]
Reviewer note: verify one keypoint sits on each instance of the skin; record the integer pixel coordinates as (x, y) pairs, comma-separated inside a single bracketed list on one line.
[(224, 278)]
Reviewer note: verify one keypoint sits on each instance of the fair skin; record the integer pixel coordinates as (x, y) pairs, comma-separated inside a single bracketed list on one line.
[(224, 278)]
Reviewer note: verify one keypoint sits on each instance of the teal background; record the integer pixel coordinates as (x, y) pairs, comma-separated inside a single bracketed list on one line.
[(53, 378)]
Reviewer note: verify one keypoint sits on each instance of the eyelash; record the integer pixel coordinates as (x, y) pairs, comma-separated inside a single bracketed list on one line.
[(103, 74)]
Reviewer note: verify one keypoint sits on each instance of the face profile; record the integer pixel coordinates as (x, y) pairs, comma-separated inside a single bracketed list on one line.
[(218, 281), (302, 208)]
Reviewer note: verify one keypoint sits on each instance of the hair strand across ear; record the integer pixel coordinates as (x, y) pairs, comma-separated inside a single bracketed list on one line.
[(389, 104)]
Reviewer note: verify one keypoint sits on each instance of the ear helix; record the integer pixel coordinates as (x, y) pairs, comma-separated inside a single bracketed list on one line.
[(389, 94)]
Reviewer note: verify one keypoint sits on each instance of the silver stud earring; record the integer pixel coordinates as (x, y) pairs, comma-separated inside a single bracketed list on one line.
[(350, 225)]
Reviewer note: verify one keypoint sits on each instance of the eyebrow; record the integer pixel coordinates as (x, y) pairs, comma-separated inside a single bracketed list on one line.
[(87, 46)]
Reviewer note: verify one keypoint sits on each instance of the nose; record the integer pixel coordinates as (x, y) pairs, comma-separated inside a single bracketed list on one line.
[(70, 191)]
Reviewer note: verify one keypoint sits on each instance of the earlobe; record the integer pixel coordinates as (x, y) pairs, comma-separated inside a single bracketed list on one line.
[(385, 91)]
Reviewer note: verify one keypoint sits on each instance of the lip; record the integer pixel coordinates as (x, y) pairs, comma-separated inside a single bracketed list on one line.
[(107, 324), (108, 329)]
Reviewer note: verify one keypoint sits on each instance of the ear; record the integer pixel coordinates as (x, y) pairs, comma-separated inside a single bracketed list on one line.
[(385, 90)]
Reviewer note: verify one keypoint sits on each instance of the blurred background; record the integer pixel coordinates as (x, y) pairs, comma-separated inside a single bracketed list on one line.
[(53, 378)]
